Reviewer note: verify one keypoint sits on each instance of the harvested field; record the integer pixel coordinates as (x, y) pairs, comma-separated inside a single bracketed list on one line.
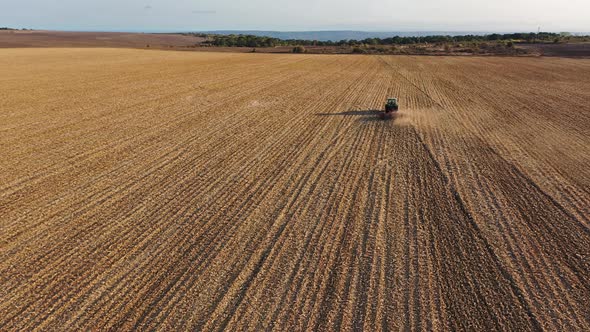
[(41, 38), (208, 191), (560, 50)]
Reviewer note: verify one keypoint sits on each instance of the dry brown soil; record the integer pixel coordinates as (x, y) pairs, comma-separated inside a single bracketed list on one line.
[(40, 38), (561, 50), (208, 191)]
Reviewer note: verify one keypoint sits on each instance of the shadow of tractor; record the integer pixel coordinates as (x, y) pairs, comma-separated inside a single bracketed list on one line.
[(364, 115)]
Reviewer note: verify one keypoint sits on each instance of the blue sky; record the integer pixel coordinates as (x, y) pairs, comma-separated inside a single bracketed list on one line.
[(370, 15)]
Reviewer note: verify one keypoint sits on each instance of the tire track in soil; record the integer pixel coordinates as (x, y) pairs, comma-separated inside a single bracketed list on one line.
[(571, 257)]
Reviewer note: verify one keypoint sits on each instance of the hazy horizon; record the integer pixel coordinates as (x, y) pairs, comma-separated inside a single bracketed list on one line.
[(304, 15)]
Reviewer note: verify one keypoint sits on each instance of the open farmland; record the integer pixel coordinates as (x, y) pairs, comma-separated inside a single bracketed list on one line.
[(41, 38), (206, 191)]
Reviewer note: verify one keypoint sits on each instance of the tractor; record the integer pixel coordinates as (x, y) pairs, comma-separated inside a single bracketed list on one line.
[(390, 108)]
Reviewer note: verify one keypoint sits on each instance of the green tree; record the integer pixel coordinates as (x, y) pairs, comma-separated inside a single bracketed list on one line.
[(299, 49)]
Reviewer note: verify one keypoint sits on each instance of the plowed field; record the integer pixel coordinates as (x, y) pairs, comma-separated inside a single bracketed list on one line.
[(208, 191)]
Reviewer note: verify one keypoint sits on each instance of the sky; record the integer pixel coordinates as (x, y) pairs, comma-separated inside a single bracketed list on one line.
[(300, 15)]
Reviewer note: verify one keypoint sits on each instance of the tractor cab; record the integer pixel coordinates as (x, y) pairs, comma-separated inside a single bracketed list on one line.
[(391, 105), (390, 108)]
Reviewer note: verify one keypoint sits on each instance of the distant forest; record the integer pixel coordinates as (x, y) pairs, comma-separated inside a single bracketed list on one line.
[(257, 41), (11, 29)]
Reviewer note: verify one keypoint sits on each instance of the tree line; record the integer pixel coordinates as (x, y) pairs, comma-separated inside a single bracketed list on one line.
[(258, 41), (13, 29)]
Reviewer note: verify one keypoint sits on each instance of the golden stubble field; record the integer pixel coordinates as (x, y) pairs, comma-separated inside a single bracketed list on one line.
[(173, 190)]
